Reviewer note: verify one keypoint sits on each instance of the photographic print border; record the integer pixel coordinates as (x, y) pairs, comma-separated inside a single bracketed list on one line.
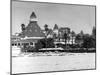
[(48, 3)]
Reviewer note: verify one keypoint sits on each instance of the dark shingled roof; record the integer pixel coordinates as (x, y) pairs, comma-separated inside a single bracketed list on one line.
[(55, 27), (33, 15), (32, 30)]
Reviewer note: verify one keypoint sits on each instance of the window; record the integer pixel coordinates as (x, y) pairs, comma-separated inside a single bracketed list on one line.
[(12, 44), (15, 44), (18, 44), (22, 43), (27, 43), (31, 43)]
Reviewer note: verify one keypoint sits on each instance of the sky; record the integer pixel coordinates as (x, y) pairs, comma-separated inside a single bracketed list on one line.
[(76, 17)]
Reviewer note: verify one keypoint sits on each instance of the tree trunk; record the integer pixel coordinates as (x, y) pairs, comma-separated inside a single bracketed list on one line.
[(72, 41)]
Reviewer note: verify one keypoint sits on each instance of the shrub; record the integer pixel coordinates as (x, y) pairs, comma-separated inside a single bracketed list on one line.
[(89, 42), (45, 43)]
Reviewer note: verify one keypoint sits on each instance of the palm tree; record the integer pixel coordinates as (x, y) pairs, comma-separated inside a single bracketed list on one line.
[(82, 34), (59, 36), (65, 37), (46, 32), (80, 38), (46, 27), (23, 27), (73, 35), (68, 32), (94, 32)]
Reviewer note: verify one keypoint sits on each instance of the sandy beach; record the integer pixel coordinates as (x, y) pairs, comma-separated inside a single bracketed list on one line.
[(69, 61)]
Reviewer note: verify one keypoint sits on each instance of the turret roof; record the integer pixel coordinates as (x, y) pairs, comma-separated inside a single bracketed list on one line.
[(55, 27), (33, 15)]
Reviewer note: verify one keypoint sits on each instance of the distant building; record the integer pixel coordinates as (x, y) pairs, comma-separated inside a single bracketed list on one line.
[(32, 33), (55, 31), (15, 40), (59, 33), (29, 34)]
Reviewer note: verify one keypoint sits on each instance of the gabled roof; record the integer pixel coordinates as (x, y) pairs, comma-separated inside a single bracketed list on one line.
[(50, 32), (32, 30)]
